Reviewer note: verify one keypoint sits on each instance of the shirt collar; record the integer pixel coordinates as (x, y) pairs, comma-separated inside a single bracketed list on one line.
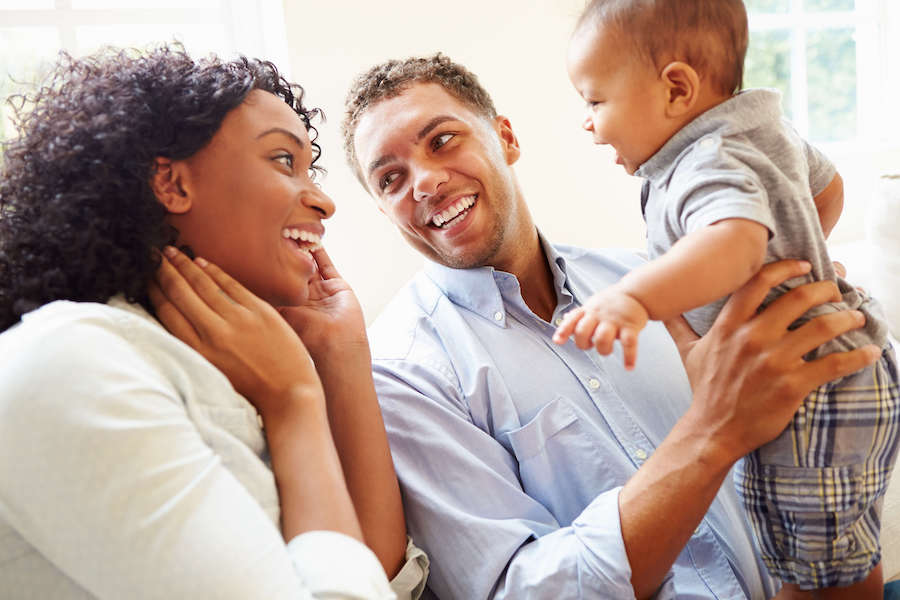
[(755, 107), (482, 289)]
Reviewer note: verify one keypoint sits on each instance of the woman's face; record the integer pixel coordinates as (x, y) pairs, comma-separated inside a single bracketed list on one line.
[(250, 205)]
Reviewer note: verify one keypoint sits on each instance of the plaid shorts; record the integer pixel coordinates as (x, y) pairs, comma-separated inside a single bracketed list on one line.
[(814, 494)]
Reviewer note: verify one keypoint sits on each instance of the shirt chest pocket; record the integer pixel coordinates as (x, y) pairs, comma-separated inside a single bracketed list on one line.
[(561, 462)]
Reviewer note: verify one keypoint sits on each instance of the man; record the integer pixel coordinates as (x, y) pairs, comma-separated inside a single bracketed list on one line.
[(531, 470)]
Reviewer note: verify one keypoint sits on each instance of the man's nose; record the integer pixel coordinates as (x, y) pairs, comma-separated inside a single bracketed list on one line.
[(428, 179)]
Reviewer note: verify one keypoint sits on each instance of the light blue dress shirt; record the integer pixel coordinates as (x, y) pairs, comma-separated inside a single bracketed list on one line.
[(511, 450)]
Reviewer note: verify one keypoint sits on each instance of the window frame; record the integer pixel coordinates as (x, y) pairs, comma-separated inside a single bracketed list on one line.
[(877, 24)]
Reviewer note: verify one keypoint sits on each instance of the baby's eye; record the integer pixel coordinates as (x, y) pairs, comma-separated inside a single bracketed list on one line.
[(286, 158), (387, 179), (440, 140)]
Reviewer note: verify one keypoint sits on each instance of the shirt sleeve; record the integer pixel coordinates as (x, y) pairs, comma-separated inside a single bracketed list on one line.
[(717, 187), (821, 169), (105, 475), (465, 505)]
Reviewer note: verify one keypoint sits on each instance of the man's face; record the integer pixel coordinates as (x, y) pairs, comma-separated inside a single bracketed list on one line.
[(441, 173), (624, 95)]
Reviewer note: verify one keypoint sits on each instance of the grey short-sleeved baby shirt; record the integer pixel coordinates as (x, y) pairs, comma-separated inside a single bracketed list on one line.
[(740, 159)]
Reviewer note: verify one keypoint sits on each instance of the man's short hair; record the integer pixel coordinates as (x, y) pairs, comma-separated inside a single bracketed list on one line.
[(709, 35), (391, 78)]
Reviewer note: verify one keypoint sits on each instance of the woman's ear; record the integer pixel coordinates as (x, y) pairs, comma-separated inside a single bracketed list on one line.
[(682, 88), (166, 183), (508, 140)]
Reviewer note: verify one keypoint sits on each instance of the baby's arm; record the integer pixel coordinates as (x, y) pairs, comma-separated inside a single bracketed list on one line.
[(830, 203), (701, 267)]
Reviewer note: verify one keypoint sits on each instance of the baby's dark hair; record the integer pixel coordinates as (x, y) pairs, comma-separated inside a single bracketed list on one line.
[(709, 35), (78, 219), (391, 78)]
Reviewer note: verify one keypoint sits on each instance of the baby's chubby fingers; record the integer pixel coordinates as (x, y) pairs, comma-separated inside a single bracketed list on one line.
[(604, 336), (584, 330), (628, 337), (567, 327)]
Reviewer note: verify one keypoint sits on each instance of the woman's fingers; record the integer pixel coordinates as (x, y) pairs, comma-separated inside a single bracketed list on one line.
[(327, 270), (169, 315), (227, 285), (745, 301), (184, 298), (195, 282)]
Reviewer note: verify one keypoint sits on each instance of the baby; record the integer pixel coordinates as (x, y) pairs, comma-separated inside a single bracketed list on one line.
[(728, 186)]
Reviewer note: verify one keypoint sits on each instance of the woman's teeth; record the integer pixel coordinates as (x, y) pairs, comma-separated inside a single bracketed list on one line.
[(307, 241), (445, 218)]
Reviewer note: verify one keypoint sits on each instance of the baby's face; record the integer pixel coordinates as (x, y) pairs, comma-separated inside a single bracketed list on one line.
[(625, 97)]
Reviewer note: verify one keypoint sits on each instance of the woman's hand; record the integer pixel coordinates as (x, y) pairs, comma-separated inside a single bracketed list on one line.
[(331, 323), (748, 374), (240, 334)]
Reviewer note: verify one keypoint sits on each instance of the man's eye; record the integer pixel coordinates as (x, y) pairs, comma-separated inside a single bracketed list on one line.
[(287, 159), (440, 140), (387, 179)]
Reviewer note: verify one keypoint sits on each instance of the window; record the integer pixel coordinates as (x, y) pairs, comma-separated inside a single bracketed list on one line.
[(835, 64), (33, 31)]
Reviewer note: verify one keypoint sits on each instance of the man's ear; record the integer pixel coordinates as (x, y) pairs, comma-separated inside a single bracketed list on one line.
[(166, 183), (508, 140), (682, 88)]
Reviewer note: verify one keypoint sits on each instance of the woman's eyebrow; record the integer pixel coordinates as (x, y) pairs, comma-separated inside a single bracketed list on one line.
[(283, 131)]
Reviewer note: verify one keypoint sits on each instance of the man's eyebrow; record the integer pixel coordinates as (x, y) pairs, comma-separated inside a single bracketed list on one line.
[(428, 128), (432, 124), (281, 130)]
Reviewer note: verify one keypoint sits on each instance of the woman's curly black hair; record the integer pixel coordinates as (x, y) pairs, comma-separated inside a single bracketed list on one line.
[(78, 219)]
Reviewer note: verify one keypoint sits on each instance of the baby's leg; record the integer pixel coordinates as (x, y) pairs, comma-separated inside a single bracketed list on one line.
[(814, 494)]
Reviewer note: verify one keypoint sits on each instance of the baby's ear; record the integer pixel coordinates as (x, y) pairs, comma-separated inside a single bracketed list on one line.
[(682, 87), (166, 183)]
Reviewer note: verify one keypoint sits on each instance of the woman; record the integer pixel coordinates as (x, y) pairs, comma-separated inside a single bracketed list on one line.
[(132, 463)]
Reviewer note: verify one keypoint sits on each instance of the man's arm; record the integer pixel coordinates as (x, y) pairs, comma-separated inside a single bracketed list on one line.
[(748, 377)]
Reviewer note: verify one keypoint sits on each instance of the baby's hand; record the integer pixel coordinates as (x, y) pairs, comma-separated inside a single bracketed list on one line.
[(607, 316)]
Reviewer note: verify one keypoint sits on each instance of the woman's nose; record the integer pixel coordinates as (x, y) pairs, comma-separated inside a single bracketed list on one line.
[(319, 201)]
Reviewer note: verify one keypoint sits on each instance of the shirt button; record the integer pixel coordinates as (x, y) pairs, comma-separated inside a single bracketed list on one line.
[(558, 321), (498, 316), (594, 383), (640, 454)]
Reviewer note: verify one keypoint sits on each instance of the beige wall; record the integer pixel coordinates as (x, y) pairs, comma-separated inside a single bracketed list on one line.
[(517, 48)]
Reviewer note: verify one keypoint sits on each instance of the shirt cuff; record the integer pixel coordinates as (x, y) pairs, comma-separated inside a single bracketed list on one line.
[(409, 583), (334, 565), (599, 527)]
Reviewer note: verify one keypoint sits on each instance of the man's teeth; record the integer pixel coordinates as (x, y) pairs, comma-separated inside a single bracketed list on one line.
[(454, 210), (306, 240)]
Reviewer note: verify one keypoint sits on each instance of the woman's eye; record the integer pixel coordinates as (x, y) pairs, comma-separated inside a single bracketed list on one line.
[(286, 159), (387, 179), (440, 140)]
